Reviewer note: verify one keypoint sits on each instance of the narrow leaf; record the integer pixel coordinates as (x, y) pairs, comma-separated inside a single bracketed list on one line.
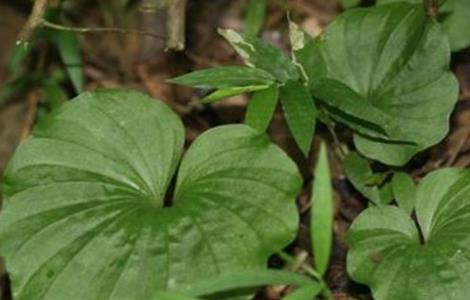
[(404, 190), (224, 77), (229, 92), (322, 213), (254, 18), (307, 292), (69, 49), (98, 170), (244, 279), (365, 117), (261, 108), (300, 113)]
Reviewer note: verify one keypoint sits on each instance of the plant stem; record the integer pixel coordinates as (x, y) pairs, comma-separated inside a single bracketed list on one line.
[(35, 19), (310, 271), (176, 22), (48, 24), (329, 125)]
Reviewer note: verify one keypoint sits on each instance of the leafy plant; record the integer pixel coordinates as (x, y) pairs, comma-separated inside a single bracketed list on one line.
[(399, 74), (427, 260), (382, 79), (268, 63), (101, 203), (87, 210)]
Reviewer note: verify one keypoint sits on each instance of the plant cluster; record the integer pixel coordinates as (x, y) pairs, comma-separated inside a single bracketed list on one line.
[(101, 203)]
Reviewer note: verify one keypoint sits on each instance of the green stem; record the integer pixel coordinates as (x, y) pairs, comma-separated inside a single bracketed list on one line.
[(310, 271), (330, 126)]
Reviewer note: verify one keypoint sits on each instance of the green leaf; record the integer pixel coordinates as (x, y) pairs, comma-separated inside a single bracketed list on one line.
[(397, 60), (254, 16), (245, 279), (343, 107), (359, 173), (259, 54), (386, 251), (84, 214), (171, 296), (229, 92), (322, 213), (225, 77), (55, 95), (261, 108), (300, 113), (404, 191), (454, 15), (69, 49), (305, 54), (307, 292)]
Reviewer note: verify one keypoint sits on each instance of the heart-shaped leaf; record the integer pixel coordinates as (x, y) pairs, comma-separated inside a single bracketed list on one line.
[(388, 254), (455, 18), (84, 214), (396, 59)]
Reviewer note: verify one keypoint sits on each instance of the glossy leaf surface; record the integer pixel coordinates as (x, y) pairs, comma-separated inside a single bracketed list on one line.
[(386, 251), (397, 60), (84, 214)]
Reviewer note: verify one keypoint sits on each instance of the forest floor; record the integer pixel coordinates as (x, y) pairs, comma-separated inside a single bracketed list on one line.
[(116, 60)]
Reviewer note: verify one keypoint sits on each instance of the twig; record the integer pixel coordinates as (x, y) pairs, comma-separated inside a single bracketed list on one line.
[(33, 102), (99, 29), (457, 150), (176, 23), (34, 21)]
